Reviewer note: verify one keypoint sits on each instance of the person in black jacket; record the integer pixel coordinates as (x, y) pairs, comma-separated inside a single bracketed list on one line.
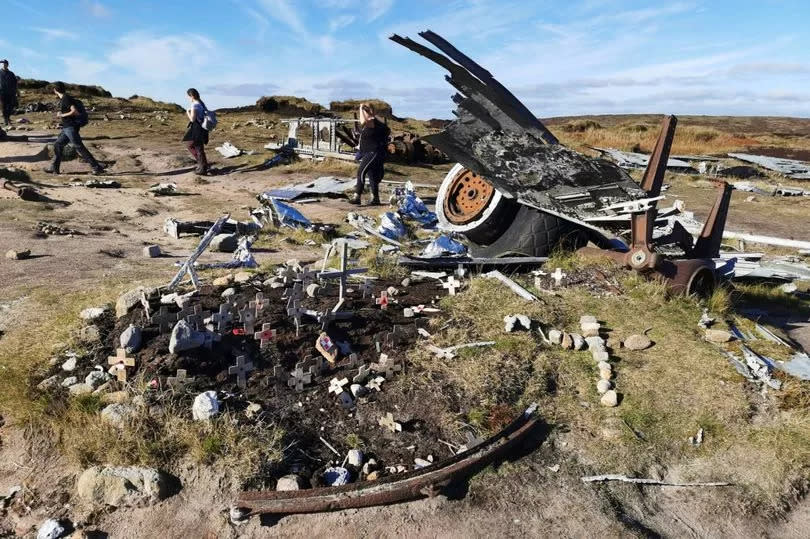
[(71, 112), (371, 152), (8, 91), (196, 137)]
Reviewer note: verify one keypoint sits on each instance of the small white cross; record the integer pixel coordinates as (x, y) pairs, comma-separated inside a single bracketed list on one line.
[(451, 285), (382, 301), (375, 383), (336, 386), (558, 276), (265, 336), (388, 422)]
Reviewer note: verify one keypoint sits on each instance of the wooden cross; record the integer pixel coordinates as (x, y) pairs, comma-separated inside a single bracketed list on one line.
[(387, 366), (336, 386), (382, 301), (375, 383), (343, 273), (293, 293), (354, 361), (388, 422), (247, 316), (306, 276), (223, 317), (451, 285), (240, 370), (278, 373), (147, 310), (265, 336), (319, 366), (259, 304), (299, 378), (120, 362), (558, 276), (362, 374), (195, 316), (295, 310), (163, 318), (180, 379), (367, 289)]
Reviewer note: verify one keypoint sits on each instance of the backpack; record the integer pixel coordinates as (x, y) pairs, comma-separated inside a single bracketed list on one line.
[(82, 118), (209, 122)]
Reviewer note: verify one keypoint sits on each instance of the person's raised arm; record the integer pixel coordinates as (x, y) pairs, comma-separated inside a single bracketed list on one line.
[(72, 112)]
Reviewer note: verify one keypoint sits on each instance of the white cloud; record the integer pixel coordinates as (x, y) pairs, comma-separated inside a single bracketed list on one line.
[(285, 12), (163, 58), (341, 21), (378, 8), (81, 70), (55, 33), (96, 9)]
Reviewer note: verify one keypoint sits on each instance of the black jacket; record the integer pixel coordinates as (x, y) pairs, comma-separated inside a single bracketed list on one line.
[(374, 138), (8, 83)]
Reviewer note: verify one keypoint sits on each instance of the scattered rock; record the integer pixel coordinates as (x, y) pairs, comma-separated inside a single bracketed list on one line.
[(312, 290), (18, 255), (406, 282), (206, 406), (69, 381), (578, 340), (128, 300), (603, 386), (358, 391), (124, 486), (555, 336), (69, 364), (116, 414), (288, 482), (184, 337), (637, 342), (516, 321), (95, 378), (224, 243), (605, 370), (49, 383), (609, 399), (130, 339), (90, 334), (103, 388), (50, 529), (567, 341), (225, 280), (242, 277), (336, 476), (228, 292), (80, 389), (152, 251), (718, 335), (590, 329), (91, 313), (613, 343)]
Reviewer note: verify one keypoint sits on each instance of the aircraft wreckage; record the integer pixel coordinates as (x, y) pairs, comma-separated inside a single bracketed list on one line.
[(517, 191)]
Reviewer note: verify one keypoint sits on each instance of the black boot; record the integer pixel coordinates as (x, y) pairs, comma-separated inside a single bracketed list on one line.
[(53, 169), (375, 195), (355, 199)]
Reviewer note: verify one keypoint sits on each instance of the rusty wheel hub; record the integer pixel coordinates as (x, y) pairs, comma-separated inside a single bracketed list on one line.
[(467, 197)]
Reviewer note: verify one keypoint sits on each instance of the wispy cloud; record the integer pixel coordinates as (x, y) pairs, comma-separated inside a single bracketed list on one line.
[(55, 33), (246, 89), (162, 57), (82, 70), (341, 21), (96, 9), (286, 13), (378, 8)]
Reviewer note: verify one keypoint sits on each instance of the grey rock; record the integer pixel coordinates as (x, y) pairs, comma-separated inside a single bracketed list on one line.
[(80, 389), (69, 381), (516, 321), (13, 254), (224, 243), (355, 458), (406, 282), (718, 335), (358, 391), (152, 251), (288, 482), (184, 337), (49, 383), (610, 399), (50, 529), (130, 339), (69, 364), (312, 290), (637, 342), (123, 486), (95, 378), (90, 334), (206, 406), (91, 313), (242, 277), (130, 299), (555, 336), (603, 386), (228, 292), (579, 341), (116, 414)]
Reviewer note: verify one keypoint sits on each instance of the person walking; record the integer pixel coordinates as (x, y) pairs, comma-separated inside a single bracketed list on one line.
[(196, 136), (8, 91), (371, 152), (74, 117)]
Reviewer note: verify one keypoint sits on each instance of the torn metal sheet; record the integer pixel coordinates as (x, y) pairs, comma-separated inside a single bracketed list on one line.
[(798, 170), (325, 185), (797, 366), (633, 160), (453, 262), (498, 138), (228, 150)]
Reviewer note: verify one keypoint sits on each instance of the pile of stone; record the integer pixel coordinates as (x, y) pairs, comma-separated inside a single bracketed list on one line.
[(49, 229)]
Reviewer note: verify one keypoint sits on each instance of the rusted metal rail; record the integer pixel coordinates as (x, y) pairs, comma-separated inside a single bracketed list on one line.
[(426, 482)]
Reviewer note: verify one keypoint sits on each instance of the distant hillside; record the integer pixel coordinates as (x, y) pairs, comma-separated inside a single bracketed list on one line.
[(78, 90), (33, 91)]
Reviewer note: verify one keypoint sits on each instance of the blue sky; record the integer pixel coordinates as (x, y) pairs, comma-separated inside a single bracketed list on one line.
[(561, 58)]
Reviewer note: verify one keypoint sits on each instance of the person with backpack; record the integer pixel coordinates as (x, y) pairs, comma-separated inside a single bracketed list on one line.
[(74, 117), (196, 136), (371, 153), (8, 91)]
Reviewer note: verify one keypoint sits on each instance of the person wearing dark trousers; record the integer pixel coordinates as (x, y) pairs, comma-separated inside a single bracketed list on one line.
[(196, 136), (371, 151), (8, 91), (73, 116)]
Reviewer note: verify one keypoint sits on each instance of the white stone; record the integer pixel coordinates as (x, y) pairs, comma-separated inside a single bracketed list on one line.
[(609, 399), (637, 342), (587, 319), (116, 414), (407, 312), (242, 277), (579, 342), (69, 364), (555, 336), (184, 337), (355, 458), (130, 339), (49, 383), (406, 282), (392, 291), (80, 389), (603, 386), (288, 482), (312, 289), (128, 300), (91, 313), (50, 529), (151, 251), (123, 486), (95, 378), (206, 406), (590, 329), (600, 356), (228, 292), (69, 381), (357, 390)]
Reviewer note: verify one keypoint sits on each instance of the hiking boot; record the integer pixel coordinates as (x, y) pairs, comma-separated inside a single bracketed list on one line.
[(99, 169), (51, 170), (355, 200), (374, 202)]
